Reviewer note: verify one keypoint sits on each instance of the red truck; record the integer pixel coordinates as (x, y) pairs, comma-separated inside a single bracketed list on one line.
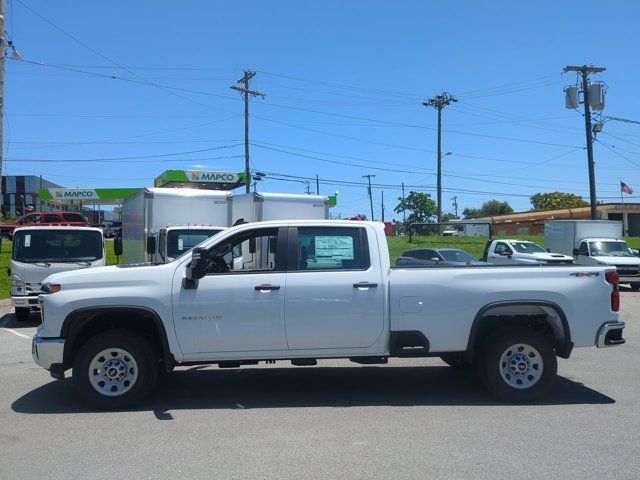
[(68, 219)]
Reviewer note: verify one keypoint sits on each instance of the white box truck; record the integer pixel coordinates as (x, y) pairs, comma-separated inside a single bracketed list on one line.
[(155, 220), (594, 242), (262, 207), (467, 229)]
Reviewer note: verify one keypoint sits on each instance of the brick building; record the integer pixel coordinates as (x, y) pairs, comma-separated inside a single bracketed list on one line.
[(532, 223)]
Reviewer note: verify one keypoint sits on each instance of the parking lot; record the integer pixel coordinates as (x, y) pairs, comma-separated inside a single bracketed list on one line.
[(412, 418)]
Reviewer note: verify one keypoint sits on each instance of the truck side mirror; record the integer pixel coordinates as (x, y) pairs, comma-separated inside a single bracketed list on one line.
[(151, 245), (197, 268), (117, 246)]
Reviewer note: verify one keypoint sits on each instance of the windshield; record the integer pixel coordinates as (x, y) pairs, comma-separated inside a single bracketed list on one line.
[(527, 247), (457, 256), (181, 241), (611, 249), (33, 246)]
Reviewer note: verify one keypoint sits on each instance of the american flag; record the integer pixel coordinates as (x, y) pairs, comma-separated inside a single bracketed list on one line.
[(625, 188)]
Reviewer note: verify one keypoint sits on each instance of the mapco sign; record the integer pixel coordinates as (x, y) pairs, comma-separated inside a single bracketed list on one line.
[(104, 196), (215, 177), (199, 179), (73, 194)]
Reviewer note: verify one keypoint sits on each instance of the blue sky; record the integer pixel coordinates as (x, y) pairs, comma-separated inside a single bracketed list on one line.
[(344, 84)]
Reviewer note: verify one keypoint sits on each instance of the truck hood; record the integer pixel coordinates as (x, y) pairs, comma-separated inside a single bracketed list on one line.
[(113, 276), (545, 256), (611, 260), (35, 273)]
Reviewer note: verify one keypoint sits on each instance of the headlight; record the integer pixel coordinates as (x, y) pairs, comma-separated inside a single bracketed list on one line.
[(49, 287), (18, 287)]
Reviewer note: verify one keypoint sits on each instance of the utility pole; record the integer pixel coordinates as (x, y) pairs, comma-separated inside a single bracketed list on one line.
[(3, 53), (439, 102), (383, 205), (455, 204), (308, 189), (317, 185), (369, 177), (585, 71), (404, 211), (246, 95)]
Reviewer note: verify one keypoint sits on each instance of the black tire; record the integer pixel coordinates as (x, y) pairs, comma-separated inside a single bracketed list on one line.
[(23, 314), (457, 361), (137, 347), (490, 369), (635, 286)]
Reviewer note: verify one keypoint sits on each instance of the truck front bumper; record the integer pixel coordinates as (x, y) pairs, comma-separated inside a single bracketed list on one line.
[(610, 335), (47, 352), (629, 279), (25, 301)]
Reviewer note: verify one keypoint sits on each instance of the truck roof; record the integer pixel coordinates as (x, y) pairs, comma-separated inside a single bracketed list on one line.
[(286, 197), (185, 192), (57, 227)]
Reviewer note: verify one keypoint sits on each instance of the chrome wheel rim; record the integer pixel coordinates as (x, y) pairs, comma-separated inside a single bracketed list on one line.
[(521, 366), (113, 372)]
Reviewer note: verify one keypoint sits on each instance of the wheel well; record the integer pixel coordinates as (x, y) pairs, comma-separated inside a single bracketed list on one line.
[(81, 325), (543, 317)]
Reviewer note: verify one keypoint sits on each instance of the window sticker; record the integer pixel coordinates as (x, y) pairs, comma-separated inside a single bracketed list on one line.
[(27, 240), (180, 244)]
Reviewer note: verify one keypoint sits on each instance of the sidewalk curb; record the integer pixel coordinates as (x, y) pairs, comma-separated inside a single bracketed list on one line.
[(5, 302)]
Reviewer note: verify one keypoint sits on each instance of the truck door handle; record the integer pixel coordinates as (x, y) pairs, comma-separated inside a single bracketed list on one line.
[(365, 285), (266, 288)]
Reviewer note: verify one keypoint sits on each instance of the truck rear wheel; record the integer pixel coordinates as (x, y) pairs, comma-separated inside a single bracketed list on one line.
[(23, 314), (517, 364), (115, 369)]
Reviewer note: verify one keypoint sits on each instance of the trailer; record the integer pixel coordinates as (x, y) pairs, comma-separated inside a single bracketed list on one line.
[(151, 210), (261, 207)]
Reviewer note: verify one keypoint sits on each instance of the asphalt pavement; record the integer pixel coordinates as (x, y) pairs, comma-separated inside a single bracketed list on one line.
[(410, 419)]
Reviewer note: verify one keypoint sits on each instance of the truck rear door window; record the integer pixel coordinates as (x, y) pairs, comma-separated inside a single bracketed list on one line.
[(332, 248), (51, 218)]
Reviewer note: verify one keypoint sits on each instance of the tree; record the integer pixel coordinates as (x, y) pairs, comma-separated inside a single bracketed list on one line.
[(447, 217), (553, 200), (420, 205), (362, 216), (490, 208)]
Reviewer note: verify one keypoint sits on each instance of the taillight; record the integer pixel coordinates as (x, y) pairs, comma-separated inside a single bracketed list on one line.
[(613, 278)]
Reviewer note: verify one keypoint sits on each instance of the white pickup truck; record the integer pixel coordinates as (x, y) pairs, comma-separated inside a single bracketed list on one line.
[(305, 290), (521, 252)]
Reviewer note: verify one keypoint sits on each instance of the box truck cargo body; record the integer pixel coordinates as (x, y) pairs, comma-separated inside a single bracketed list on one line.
[(262, 207), (149, 211), (467, 229), (594, 242)]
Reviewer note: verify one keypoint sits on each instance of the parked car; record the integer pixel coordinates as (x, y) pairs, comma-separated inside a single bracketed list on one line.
[(301, 290), (66, 219), (522, 252), (114, 230), (422, 257)]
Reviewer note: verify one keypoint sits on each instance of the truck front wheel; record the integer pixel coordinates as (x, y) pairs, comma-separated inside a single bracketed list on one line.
[(517, 364), (115, 369)]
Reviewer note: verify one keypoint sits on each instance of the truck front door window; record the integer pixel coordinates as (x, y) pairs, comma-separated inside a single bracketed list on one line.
[(253, 251), (502, 249)]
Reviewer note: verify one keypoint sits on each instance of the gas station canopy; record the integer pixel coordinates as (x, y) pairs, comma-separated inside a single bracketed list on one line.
[(199, 179)]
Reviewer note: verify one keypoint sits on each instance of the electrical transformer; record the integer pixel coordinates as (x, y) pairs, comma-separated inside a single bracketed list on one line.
[(571, 97), (596, 95)]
